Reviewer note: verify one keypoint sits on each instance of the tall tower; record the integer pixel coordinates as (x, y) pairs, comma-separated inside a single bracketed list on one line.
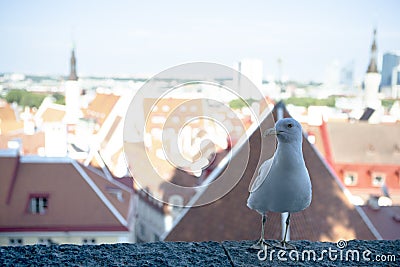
[(72, 74), (372, 67), (72, 93), (371, 82)]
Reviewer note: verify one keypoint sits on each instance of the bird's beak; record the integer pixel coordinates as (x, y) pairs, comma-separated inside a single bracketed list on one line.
[(271, 131)]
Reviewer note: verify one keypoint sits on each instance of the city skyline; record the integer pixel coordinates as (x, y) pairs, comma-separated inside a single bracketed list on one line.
[(126, 37)]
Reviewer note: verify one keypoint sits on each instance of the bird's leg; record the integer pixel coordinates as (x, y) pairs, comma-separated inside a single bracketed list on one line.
[(283, 244), (286, 228), (261, 244)]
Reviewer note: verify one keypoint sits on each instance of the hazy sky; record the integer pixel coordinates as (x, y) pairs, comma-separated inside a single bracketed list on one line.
[(145, 37)]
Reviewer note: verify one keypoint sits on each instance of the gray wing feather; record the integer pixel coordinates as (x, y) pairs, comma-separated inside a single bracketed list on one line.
[(263, 171)]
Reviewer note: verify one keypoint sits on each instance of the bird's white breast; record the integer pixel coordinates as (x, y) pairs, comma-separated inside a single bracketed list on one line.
[(287, 187)]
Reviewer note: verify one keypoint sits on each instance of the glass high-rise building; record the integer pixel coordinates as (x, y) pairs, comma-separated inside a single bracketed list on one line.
[(390, 61)]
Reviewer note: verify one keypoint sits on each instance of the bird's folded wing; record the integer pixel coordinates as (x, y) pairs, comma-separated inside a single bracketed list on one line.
[(263, 171)]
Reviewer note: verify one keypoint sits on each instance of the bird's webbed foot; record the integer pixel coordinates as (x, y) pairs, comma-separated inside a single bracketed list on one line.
[(261, 244), (284, 245)]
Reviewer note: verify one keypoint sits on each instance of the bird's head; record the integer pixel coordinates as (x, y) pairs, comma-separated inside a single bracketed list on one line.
[(287, 130)]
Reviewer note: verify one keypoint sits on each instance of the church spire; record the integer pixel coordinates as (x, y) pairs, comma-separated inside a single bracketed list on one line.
[(372, 67), (72, 74)]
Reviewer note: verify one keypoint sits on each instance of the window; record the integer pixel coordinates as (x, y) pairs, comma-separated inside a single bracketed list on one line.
[(139, 240), (142, 230), (396, 149), (156, 237), (117, 192), (350, 178), (165, 108), (175, 119), (182, 108), (14, 144), (378, 179), (156, 133), (160, 154), (46, 241), (311, 137), (370, 149), (158, 119), (38, 204), (89, 241), (15, 241), (176, 202), (193, 108)]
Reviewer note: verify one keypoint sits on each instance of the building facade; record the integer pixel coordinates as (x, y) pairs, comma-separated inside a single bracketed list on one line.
[(49, 200), (390, 61)]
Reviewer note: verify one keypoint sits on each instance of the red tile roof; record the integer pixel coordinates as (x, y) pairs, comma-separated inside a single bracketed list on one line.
[(79, 198), (362, 142), (50, 112), (30, 143), (6, 112), (8, 121), (386, 220), (53, 115), (101, 107)]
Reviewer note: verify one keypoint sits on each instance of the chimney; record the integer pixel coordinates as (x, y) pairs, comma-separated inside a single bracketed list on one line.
[(367, 114)]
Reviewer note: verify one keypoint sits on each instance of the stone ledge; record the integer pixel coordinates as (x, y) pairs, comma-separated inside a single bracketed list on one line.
[(228, 253)]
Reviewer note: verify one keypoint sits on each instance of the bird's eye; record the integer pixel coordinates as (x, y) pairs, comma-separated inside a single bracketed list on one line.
[(290, 125)]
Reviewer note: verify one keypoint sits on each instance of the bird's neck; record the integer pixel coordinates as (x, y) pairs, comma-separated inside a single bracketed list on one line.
[(293, 146), (289, 151)]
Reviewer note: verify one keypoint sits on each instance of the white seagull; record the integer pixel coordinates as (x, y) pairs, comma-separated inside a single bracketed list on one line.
[(283, 183)]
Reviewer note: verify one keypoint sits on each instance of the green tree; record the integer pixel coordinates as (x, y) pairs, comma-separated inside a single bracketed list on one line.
[(388, 103), (32, 100), (59, 98), (240, 103), (24, 98), (309, 101), (15, 95)]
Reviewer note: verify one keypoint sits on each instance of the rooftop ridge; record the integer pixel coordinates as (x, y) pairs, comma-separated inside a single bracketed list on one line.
[(113, 180), (6, 153), (43, 160), (100, 194)]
